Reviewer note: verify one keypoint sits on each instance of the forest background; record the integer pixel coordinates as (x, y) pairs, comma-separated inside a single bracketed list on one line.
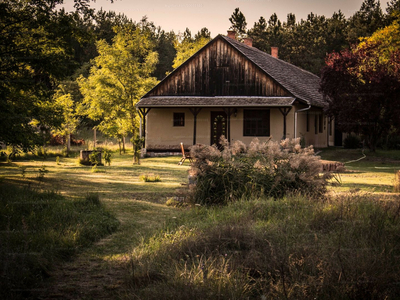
[(54, 64)]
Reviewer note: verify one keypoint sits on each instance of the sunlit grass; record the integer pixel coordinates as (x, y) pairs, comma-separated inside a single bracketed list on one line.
[(197, 251)]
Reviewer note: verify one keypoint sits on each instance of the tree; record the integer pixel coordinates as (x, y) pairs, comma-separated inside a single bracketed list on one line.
[(189, 46), (70, 120), (365, 21), (34, 55), (238, 21), (119, 77), (362, 86)]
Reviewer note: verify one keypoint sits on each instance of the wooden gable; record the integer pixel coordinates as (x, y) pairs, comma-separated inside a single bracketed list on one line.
[(218, 70)]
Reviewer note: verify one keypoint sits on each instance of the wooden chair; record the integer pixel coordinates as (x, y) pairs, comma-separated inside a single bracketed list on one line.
[(185, 155)]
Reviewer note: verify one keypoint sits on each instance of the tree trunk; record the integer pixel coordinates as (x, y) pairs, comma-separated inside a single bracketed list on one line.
[(94, 138), (123, 144), (68, 142)]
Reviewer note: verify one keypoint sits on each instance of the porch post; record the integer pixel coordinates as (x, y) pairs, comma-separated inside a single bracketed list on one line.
[(195, 112), (143, 113), (285, 111)]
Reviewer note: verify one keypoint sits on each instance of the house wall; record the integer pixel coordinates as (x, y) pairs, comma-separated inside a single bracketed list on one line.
[(312, 134), (161, 134)]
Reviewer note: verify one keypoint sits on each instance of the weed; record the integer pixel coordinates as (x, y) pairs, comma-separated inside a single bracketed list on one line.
[(150, 178), (93, 198), (58, 160), (42, 171), (95, 169)]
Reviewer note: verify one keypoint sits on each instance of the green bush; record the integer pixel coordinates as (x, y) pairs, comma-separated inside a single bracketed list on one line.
[(352, 142), (272, 169)]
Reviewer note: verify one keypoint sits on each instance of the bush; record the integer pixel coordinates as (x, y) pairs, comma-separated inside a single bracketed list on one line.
[(352, 142), (272, 169)]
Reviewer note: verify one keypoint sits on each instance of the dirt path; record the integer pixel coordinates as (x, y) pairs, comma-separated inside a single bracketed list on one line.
[(101, 271), (85, 277)]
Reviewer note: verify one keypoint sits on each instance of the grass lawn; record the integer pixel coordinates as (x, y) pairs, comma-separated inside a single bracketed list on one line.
[(366, 171), (289, 249)]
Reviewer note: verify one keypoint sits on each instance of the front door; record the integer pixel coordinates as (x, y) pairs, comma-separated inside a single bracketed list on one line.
[(218, 126)]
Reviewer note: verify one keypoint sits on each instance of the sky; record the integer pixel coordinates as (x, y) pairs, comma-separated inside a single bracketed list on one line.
[(176, 15)]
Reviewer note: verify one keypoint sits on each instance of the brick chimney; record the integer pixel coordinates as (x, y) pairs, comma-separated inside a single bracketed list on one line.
[(248, 41), (232, 34), (274, 52)]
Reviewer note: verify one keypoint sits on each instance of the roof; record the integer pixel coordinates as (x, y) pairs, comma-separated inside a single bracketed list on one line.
[(219, 101), (300, 83)]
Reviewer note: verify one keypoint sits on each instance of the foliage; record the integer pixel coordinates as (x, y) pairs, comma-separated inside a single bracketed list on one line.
[(271, 168), (238, 23), (95, 158), (352, 141), (33, 56), (150, 178), (189, 46), (305, 43), (362, 86), (40, 228), (70, 120), (120, 76), (138, 143), (296, 248), (107, 156)]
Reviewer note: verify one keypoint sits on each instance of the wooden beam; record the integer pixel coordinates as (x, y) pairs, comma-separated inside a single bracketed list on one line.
[(195, 111), (143, 113)]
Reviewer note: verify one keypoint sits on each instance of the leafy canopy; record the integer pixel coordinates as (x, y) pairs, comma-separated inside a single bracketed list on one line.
[(363, 85), (119, 77)]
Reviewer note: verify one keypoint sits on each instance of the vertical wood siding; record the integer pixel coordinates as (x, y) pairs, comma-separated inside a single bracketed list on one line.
[(218, 70)]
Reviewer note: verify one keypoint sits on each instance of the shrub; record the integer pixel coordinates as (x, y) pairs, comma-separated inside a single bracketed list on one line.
[(352, 142), (95, 158), (107, 156), (269, 168)]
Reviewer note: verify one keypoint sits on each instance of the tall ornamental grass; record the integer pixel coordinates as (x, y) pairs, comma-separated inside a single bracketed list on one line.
[(271, 169)]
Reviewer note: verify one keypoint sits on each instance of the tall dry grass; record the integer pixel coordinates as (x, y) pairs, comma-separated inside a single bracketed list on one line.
[(345, 247)]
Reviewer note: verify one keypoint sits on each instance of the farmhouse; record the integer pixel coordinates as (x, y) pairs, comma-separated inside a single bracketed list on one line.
[(232, 89)]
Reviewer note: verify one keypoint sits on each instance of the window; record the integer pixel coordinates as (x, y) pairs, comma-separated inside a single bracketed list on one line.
[(256, 123), (179, 119)]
